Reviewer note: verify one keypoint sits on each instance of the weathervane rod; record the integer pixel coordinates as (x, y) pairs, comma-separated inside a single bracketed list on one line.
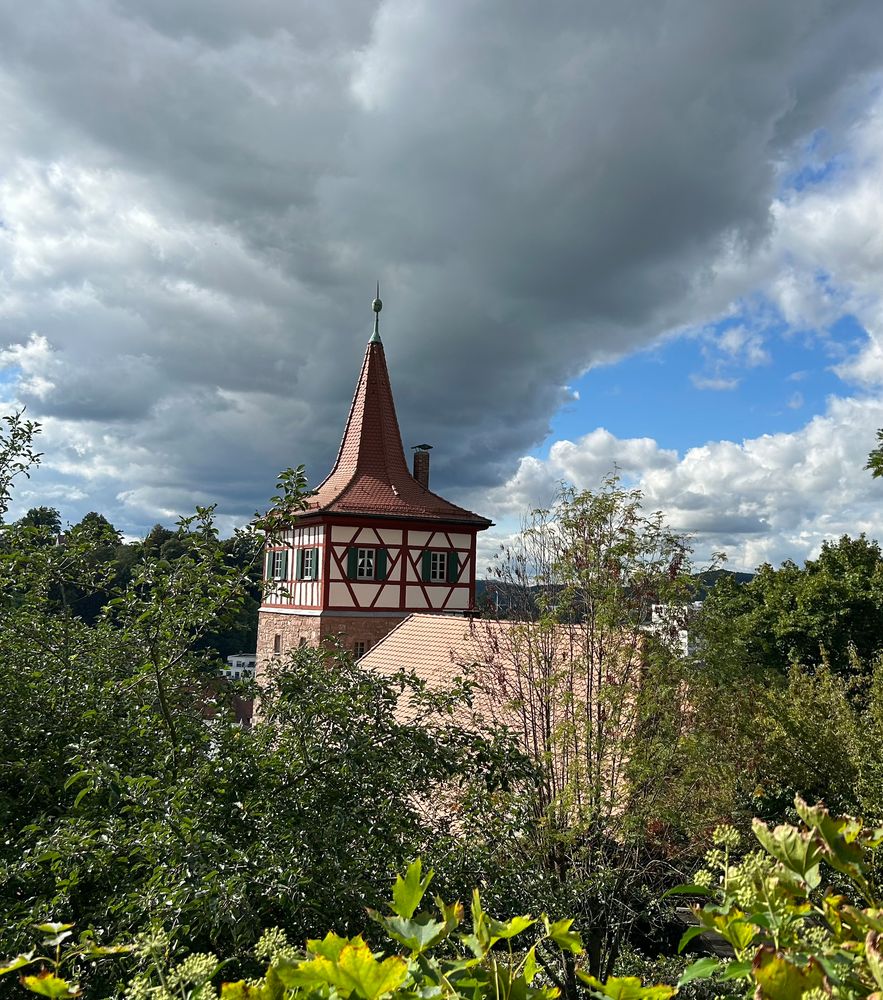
[(376, 305)]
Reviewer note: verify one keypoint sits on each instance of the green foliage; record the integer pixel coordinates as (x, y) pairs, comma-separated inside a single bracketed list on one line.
[(17, 453), (791, 935), (785, 692), (222, 831), (875, 459), (491, 960), (822, 738), (831, 610), (46, 519), (599, 696), (291, 498), (121, 808), (60, 961)]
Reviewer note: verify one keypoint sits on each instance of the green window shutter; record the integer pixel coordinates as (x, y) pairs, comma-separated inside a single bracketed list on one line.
[(315, 564), (380, 565), (267, 558), (426, 564), (299, 563), (453, 567), (285, 565), (352, 562)]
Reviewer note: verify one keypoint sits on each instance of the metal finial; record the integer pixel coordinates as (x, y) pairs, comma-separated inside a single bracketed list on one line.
[(376, 305)]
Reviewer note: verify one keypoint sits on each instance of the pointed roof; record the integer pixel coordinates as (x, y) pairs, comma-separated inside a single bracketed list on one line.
[(371, 473)]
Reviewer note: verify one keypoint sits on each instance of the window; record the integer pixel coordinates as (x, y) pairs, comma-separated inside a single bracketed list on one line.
[(440, 567), (359, 649), (308, 564), (366, 564), (277, 564), (277, 643)]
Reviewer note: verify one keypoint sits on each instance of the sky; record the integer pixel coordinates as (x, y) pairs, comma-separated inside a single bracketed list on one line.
[(643, 235)]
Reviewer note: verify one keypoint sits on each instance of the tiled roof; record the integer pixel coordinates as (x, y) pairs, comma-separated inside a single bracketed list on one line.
[(439, 648), (509, 662), (371, 473)]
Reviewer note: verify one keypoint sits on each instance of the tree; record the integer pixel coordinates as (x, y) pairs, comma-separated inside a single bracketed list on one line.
[(46, 519), (875, 459), (830, 610), (823, 732), (100, 528), (17, 453), (120, 807), (785, 693), (594, 692)]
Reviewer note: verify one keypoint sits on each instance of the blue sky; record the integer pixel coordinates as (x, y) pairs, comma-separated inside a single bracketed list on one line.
[(651, 391)]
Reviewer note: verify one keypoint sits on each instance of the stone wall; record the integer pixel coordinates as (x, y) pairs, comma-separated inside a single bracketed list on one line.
[(351, 630), (278, 633)]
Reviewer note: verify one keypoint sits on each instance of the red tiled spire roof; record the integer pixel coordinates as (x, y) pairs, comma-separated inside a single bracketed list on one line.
[(371, 473)]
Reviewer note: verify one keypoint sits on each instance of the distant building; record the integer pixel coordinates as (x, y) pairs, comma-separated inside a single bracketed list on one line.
[(674, 623), (375, 543), (240, 667)]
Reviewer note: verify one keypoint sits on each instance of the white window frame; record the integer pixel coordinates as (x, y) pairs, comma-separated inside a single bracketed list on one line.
[(277, 562), (438, 567), (366, 563), (309, 570), (359, 649)]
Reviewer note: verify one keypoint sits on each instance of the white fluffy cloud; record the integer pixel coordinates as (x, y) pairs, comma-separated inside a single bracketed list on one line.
[(765, 499)]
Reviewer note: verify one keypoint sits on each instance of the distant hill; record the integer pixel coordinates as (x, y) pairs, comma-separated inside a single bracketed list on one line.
[(485, 589), (709, 578)]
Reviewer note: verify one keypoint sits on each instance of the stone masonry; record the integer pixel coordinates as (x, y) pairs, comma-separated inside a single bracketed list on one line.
[(280, 633)]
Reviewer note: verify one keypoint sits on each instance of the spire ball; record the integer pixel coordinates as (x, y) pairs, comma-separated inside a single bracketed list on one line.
[(376, 305)]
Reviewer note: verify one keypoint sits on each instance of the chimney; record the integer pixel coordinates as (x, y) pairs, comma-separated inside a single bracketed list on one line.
[(421, 464)]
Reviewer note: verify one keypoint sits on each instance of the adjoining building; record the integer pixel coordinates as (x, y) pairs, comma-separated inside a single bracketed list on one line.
[(374, 544)]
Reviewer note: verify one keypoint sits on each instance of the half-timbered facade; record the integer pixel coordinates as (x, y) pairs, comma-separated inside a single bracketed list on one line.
[(374, 544)]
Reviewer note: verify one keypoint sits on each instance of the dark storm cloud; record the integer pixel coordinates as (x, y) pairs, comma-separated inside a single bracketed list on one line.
[(198, 197)]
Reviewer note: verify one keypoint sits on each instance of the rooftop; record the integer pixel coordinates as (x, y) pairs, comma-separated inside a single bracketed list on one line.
[(371, 474)]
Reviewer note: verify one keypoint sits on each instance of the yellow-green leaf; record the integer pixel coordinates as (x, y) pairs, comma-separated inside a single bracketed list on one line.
[(509, 928), (354, 969), (564, 937), (17, 963), (49, 985), (799, 851), (361, 972), (241, 990), (874, 957), (330, 946), (529, 969), (626, 988), (409, 891), (52, 927), (700, 969), (779, 979)]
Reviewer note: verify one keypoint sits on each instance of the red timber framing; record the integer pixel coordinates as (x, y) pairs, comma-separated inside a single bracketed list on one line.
[(403, 589)]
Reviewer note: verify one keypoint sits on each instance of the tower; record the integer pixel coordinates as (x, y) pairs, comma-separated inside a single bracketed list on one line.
[(374, 544)]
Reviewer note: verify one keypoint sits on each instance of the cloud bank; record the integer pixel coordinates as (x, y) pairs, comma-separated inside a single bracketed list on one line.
[(195, 202)]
